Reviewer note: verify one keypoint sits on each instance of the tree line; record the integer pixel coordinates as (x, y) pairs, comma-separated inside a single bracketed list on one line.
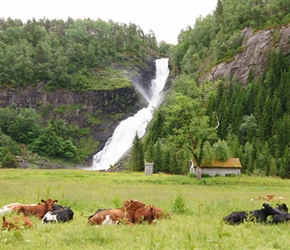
[(68, 54)]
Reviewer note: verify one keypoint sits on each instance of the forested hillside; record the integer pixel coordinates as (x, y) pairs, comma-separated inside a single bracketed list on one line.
[(64, 85), (226, 118)]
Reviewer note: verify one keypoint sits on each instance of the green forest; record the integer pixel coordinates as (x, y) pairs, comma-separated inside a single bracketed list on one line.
[(222, 119), (199, 121)]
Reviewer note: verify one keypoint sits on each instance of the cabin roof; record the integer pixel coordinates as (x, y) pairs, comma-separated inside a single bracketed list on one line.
[(229, 163)]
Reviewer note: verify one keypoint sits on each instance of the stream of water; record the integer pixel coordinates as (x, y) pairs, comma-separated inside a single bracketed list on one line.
[(122, 138)]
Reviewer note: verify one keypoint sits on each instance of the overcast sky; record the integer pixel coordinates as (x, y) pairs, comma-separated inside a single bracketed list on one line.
[(165, 17)]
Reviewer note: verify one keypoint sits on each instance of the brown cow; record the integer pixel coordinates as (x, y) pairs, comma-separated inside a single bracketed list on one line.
[(117, 215), (144, 214), (37, 210), (16, 222)]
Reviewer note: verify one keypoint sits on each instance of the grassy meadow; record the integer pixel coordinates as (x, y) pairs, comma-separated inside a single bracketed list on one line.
[(197, 209)]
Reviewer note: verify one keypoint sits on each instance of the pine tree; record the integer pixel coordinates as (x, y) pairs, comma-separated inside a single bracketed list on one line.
[(157, 159), (136, 159)]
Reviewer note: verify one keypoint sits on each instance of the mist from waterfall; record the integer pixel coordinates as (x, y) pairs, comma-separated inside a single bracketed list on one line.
[(122, 138)]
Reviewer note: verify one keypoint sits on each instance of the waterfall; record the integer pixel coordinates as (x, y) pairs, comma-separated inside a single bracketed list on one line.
[(123, 136)]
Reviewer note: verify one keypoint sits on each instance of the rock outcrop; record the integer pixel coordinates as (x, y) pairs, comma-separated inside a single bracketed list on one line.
[(101, 111), (256, 46)]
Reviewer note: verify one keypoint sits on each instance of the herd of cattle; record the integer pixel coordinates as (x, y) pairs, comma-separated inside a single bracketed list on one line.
[(132, 212), (278, 215)]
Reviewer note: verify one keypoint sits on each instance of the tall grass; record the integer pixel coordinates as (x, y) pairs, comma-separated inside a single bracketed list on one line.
[(197, 209)]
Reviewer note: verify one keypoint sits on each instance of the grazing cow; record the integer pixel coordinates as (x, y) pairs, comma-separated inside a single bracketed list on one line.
[(236, 217), (260, 215), (145, 213), (16, 222), (37, 210), (117, 215), (62, 215)]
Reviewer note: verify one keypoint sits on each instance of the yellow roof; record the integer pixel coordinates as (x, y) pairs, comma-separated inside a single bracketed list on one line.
[(229, 163)]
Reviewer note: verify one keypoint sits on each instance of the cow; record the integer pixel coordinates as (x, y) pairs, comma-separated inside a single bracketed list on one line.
[(281, 215), (99, 210), (260, 215), (64, 214), (116, 215), (36, 210), (282, 207), (16, 222), (12, 207), (236, 218), (145, 213)]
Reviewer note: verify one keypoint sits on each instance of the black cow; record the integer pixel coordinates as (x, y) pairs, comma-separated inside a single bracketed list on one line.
[(63, 215), (282, 207), (260, 215), (236, 217), (281, 215), (56, 207)]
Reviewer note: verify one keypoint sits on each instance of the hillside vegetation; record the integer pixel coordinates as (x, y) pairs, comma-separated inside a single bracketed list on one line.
[(225, 118), (71, 54), (67, 58)]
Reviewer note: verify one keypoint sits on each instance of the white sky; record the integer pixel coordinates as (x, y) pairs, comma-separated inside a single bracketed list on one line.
[(165, 18)]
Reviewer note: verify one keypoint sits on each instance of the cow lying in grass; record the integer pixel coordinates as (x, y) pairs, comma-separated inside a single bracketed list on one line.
[(64, 214), (16, 222), (281, 215), (259, 215), (36, 210), (117, 215)]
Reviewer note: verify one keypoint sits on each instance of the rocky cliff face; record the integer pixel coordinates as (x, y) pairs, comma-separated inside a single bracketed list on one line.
[(101, 111), (255, 50)]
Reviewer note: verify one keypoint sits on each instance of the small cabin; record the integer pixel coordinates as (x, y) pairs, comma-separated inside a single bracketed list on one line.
[(217, 167)]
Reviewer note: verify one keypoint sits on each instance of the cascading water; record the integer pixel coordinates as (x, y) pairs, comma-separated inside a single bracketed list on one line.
[(123, 136)]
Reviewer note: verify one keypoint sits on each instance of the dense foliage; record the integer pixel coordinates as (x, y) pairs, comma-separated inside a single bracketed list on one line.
[(68, 54), (25, 130), (226, 119)]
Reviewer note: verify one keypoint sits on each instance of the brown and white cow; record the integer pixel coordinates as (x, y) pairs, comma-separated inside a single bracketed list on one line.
[(36, 210), (12, 207), (117, 215), (16, 222)]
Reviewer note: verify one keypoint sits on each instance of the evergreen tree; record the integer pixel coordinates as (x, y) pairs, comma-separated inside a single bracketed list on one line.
[(136, 159), (158, 157)]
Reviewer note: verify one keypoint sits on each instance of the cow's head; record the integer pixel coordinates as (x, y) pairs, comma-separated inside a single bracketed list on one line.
[(49, 204), (135, 204)]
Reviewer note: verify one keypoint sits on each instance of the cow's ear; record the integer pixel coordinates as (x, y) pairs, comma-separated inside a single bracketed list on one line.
[(43, 201), (55, 201), (4, 219)]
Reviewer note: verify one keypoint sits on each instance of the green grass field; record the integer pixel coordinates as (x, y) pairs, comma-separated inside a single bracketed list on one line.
[(197, 209)]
